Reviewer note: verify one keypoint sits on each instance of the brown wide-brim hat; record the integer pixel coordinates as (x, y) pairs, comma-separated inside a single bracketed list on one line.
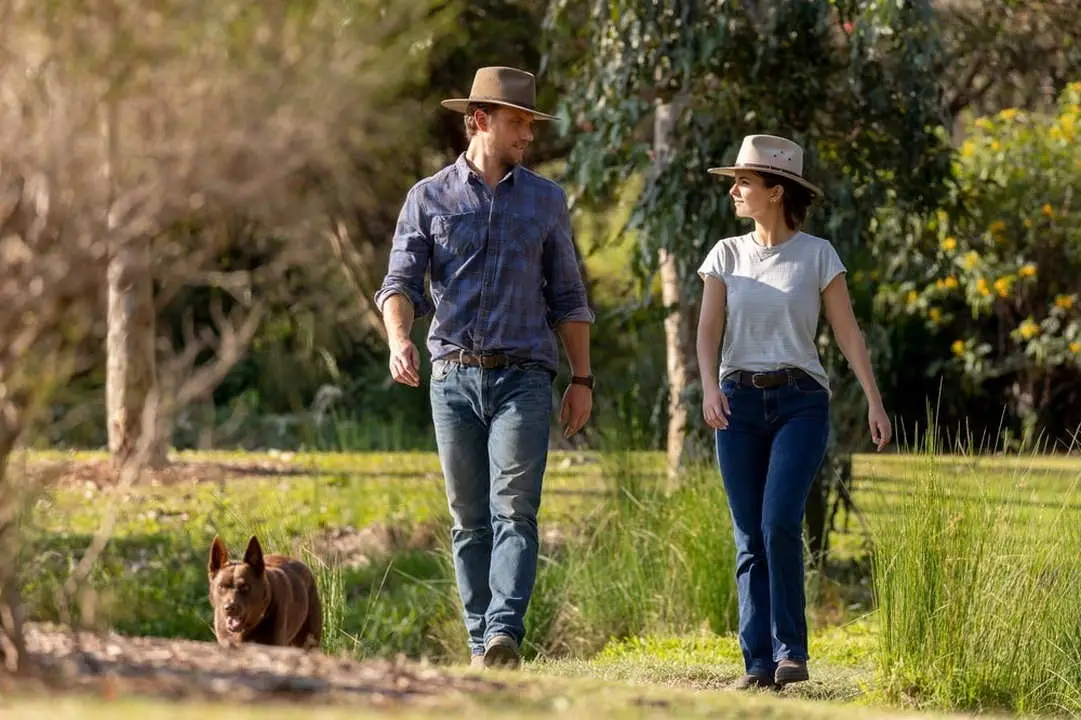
[(771, 154), (505, 86)]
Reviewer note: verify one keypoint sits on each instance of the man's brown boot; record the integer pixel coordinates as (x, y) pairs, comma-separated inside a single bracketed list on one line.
[(501, 652), (790, 671)]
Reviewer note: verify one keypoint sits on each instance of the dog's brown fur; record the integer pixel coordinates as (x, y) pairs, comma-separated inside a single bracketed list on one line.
[(271, 599)]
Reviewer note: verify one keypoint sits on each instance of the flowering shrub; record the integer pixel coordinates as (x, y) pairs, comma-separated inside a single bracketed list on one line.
[(997, 270)]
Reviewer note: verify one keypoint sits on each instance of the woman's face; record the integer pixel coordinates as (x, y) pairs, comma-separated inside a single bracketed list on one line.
[(751, 196)]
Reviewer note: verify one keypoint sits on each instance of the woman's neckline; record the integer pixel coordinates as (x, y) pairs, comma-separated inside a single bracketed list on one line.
[(769, 249)]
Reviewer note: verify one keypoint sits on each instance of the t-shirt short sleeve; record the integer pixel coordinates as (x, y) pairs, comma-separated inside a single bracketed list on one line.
[(714, 263), (829, 265)]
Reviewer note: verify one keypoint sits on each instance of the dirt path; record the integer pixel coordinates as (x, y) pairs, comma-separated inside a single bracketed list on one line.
[(112, 666)]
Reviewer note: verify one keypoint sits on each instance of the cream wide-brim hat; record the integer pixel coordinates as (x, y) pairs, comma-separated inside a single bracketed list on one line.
[(772, 154), (505, 86)]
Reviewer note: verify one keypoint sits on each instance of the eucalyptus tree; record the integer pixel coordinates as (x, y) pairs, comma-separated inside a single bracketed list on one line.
[(664, 90)]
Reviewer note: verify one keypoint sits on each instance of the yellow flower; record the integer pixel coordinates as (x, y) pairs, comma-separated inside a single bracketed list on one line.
[(949, 244), (1008, 114), (1027, 270), (983, 124), (1028, 329), (940, 284), (996, 145), (912, 296), (1075, 347), (968, 148), (1064, 301), (958, 347), (1066, 123), (997, 226), (981, 285), (1047, 209), (935, 315), (950, 282), (1002, 286), (970, 260)]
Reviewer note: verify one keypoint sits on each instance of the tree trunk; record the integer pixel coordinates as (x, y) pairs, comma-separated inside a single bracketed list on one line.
[(130, 367), (130, 373), (679, 338)]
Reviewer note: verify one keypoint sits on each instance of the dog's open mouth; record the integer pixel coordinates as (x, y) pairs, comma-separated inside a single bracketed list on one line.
[(233, 624)]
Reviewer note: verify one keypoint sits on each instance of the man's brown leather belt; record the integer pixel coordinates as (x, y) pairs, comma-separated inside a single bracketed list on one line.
[(488, 361), (771, 379)]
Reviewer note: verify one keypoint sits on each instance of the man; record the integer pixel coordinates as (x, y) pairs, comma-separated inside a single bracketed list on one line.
[(496, 239)]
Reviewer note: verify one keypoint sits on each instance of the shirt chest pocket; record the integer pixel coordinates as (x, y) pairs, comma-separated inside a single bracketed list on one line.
[(457, 236), (524, 235)]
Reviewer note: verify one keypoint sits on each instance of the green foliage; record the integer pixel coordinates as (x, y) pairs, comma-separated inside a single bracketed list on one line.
[(849, 82), (993, 276)]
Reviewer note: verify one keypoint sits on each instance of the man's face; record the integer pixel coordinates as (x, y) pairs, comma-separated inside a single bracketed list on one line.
[(507, 134)]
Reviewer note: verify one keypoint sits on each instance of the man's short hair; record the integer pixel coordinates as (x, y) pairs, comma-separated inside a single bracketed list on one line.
[(471, 122)]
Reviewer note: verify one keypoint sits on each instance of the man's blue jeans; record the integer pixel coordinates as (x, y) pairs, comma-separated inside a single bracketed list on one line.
[(768, 457), (492, 428)]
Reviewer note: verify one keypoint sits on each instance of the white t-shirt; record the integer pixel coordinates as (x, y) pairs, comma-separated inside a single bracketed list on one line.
[(774, 298)]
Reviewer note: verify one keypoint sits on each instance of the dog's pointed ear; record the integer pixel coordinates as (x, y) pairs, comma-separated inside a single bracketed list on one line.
[(253, 556), (219, 556)]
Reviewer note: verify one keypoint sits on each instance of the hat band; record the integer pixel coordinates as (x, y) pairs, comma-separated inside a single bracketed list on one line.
[(487, 99), (763, 166)]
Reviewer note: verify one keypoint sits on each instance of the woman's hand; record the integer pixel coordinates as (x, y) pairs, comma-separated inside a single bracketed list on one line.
[(879, 423), (715, 410)]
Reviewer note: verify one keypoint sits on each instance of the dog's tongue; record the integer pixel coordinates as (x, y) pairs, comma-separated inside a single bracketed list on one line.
[(233, 624)]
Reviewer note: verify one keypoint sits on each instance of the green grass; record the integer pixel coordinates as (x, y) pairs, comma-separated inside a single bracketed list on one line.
[(642, 591), (977, 584)]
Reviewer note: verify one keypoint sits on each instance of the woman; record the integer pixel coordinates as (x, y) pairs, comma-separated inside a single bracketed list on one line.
[(768, 399)]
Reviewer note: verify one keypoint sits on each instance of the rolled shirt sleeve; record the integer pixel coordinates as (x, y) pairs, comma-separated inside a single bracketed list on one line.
[(409, 257), (564, 289)]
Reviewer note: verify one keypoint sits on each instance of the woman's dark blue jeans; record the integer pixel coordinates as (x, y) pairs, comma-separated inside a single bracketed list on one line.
[(768, 456)]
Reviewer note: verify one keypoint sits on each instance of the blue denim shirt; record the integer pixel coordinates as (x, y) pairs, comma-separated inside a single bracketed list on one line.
[(504, 272)]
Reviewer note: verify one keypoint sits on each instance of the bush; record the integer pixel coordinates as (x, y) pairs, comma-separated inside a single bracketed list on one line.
[(975, 585), (995, 274)]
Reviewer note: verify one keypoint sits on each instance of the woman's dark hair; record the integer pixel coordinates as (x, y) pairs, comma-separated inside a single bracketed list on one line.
[(795, 200)]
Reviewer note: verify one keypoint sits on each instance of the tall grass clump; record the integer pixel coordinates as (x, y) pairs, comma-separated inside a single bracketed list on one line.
[(651, 562), (976, 575)]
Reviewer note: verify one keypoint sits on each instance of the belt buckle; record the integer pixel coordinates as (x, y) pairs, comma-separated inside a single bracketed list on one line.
[(754, 380)]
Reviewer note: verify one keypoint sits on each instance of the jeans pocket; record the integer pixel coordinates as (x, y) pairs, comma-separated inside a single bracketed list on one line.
[(808, 385), (441, 369), (536, 371)]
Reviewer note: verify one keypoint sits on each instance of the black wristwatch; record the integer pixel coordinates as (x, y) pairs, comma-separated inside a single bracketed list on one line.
[(586, 380)]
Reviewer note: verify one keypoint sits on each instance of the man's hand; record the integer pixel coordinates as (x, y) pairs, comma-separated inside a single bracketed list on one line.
[(405, 362), (577, 405)]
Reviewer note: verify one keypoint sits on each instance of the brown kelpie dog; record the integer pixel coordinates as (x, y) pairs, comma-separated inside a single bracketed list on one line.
[(266, 599)]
